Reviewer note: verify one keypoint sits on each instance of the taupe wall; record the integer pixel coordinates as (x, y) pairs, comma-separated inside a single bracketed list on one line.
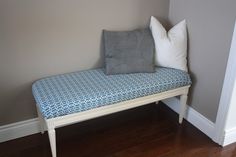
[(210, 27), (39, 38)]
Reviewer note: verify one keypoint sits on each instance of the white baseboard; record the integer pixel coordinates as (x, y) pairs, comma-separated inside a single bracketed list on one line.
[(192, 116), (29, 127), (229, 136), (19, 129)]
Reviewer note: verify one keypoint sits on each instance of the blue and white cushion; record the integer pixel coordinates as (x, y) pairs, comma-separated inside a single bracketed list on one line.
[(84, 90)]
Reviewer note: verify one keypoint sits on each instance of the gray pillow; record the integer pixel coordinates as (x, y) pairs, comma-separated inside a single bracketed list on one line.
[(128, 51)]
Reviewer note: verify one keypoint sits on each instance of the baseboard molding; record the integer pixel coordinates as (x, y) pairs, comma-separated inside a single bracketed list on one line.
[(29, 127), (229, 137), (19, 129), (192, 116)]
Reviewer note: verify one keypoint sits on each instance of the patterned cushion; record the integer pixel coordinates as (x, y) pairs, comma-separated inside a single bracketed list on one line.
[(80, 91)]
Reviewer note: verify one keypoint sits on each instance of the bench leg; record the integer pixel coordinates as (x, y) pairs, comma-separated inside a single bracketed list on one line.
[(41, 121), (183, 105), (52, 140)]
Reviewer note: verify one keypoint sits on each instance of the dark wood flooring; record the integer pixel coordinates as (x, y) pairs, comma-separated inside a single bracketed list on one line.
[(147, 131)]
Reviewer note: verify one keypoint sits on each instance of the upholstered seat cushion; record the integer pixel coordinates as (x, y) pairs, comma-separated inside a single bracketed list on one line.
[(80, 91)]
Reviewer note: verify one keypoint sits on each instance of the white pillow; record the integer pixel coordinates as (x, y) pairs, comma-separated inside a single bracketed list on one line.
[(171, 47)]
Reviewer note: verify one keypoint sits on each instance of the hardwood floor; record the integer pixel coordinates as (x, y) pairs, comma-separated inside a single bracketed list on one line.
[(147, 131)]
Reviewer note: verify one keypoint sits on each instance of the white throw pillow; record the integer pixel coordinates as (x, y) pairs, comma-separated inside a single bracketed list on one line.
[(171, 47)]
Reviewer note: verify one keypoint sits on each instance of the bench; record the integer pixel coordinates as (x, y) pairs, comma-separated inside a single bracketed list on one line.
[(75, 97)]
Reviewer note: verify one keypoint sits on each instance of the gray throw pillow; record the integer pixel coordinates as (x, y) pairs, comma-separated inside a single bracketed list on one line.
[(128, 51)]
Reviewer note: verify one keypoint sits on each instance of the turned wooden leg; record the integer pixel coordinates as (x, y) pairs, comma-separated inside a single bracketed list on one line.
[(183, 105), (52, 140), (41, 121)]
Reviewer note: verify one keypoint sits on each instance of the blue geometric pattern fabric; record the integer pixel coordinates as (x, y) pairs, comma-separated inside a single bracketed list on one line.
[(84, 90)]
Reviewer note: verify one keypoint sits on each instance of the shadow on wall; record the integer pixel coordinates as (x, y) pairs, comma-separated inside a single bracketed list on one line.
[(192, 75)]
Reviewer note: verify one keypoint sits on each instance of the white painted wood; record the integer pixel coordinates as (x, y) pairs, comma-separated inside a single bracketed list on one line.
[(19, 129), (192, 116), (231, 119), (183, 105), (52, 139), (226, 94), (109, 109), (105, 110), (229, 136)]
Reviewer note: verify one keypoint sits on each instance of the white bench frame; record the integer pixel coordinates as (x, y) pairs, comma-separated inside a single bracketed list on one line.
[(51, 124)]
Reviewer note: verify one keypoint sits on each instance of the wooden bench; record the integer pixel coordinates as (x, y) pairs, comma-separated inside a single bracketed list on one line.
[(75, 97)]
